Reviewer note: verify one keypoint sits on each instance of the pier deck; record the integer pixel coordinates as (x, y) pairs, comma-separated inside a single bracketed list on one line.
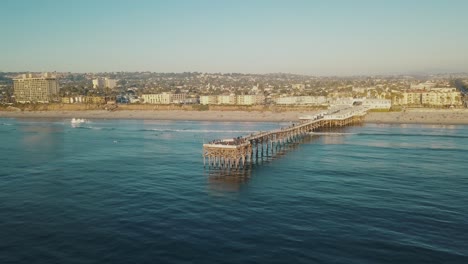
[(242, 151)]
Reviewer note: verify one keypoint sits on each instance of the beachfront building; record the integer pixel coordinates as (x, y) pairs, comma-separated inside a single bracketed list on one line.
[(94, 100), (433, 97), (250, 99), (226, 99), (104, 83), (372, 103), (301, 100), (412, 98), (341, 101), (73, 99), (232, 99), (164, 98), (178, 98), (82, 99), (40, 89), (441, 97), (406, 98), (208, 99)]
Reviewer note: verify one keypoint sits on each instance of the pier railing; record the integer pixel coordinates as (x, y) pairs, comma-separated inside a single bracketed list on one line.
[(243, 151)]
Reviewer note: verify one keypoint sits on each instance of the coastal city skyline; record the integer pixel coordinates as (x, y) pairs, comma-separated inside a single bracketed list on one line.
[(194, 89), (248, 131), (302, 37)]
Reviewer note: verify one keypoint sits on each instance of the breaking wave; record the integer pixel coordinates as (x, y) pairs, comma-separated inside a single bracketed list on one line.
[(197, 131)]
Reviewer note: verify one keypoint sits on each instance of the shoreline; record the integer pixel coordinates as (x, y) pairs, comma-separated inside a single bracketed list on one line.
[(411, 116)]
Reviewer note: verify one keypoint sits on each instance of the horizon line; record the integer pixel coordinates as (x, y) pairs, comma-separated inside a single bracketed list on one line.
[(250, 73)]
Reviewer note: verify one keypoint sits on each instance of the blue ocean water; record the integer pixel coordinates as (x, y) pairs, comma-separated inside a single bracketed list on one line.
[(135, 191)]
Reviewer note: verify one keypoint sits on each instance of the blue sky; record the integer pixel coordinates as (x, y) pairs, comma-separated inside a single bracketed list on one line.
[(308, 37)]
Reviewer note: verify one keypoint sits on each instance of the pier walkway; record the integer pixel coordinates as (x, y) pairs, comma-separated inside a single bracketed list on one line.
[(242, 151)]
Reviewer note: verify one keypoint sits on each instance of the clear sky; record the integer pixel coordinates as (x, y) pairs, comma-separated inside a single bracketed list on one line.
[(248, 36)]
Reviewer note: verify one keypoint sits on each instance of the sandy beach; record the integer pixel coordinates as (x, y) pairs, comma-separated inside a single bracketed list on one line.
[(416, 116), (252, 116), (420, 116)]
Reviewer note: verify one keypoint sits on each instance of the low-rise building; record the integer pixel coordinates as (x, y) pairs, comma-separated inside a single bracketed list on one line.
[(164, 98), (232, 99), (377, 103), (66, 100), (441, 97), (226, 99), (250, 99), (412, 98), (430, 97), (94, 100), (208, 99), (301, 100), (178, 98), (343, 101)]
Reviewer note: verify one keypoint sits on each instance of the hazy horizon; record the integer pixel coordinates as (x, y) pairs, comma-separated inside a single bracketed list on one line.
[(321, 38), (251, 73)]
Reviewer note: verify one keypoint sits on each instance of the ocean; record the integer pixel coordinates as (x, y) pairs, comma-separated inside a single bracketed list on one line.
[(136, 191)]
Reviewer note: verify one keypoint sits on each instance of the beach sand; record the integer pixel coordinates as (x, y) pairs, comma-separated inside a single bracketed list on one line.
[(415, 116), (420, 116), (253, 116)]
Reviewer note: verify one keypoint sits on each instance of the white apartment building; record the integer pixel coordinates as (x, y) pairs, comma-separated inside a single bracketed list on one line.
[(342, 101), (164, 98), (301, 100), (431, 97), (156, 98), (250, 99), (371, 103), (178, 98), (232, 99), (104, 83), (208, 99), (226, 99), (448, 97)]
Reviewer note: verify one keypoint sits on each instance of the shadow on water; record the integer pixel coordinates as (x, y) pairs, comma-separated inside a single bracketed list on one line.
[(224, 180), (232, 180)]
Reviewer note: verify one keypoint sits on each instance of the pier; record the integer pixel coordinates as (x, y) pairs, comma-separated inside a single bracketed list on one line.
[(243, 151)]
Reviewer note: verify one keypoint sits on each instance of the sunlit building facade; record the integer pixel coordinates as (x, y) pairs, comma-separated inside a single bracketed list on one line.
[(34, 89)]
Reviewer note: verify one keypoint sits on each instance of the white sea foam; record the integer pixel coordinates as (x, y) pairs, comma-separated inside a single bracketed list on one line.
[(330, 134), (76, 122), (199, 131)]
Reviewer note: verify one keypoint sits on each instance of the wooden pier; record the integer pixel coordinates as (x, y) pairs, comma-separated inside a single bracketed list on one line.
[(244, 151)]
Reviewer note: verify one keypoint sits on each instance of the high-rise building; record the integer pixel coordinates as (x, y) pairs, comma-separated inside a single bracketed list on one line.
[(40, 89), (110, 83), (104, 83), (98, 83)]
